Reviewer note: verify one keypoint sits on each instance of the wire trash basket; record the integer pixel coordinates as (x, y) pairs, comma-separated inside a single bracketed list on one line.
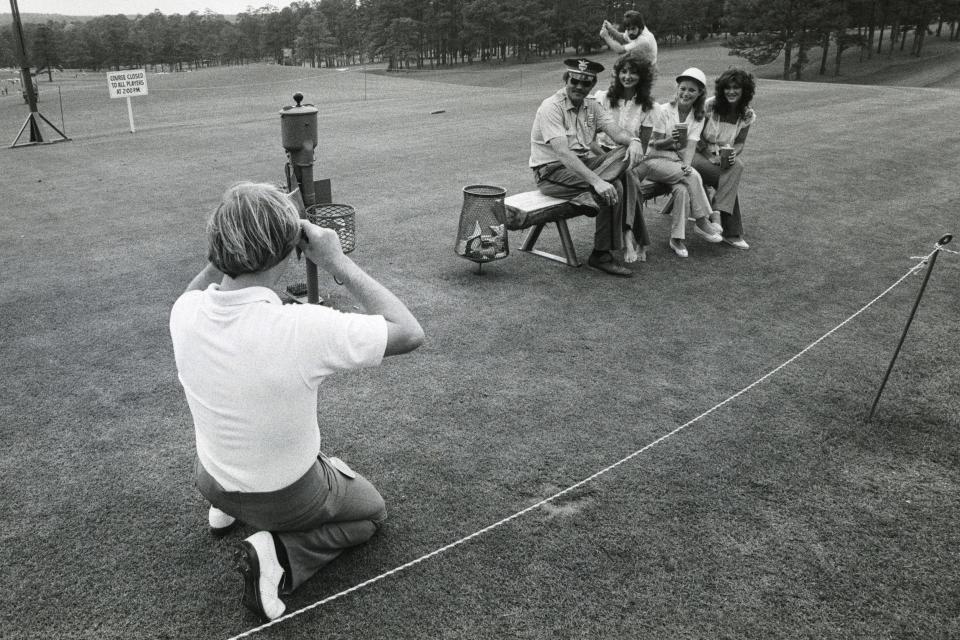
[(338, 217), (482, 235)]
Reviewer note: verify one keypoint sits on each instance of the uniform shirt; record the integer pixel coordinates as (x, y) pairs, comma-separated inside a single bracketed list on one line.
[(667, 117), (556, 117), (717, 133), (644, 43), (251, 366), (628, 114)]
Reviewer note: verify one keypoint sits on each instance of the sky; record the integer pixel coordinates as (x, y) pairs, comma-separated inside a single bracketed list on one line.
[(133, 7)]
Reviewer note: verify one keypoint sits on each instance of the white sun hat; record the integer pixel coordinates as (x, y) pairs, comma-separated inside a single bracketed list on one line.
[(694, 74)]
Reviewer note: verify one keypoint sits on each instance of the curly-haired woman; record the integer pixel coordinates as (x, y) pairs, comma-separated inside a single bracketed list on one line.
[(728, 120), (632, 106)]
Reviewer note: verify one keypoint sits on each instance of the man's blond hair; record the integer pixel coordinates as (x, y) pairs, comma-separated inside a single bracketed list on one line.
[(254, 228)]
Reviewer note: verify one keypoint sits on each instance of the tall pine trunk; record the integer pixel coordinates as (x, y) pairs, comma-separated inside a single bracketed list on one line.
[(826, 50), (883, 18), (787, 49), (840, 47), (801, 55)]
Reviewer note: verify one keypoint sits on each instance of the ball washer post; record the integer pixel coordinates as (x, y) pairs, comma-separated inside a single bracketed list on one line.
[(298, 126)]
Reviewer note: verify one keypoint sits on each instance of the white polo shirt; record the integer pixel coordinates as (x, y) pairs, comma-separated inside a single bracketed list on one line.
[(251, 366)]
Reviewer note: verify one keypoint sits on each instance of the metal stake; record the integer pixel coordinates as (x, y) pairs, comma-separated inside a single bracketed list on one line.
[(933, 259)]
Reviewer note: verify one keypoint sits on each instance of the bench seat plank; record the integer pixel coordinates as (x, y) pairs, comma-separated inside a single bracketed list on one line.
[(533, 210)]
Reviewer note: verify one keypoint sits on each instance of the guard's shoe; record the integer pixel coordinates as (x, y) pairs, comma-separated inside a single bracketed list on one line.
[(605, 262), (220, 522), (705, 230), (678, 247), (262, 574), (737, 242)]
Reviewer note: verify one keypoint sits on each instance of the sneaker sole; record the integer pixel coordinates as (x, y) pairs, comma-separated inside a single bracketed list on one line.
[(247, 563)]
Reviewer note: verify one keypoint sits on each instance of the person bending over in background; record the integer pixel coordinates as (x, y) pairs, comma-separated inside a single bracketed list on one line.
[(250, 368), (632, 106), (565, 127), (728, 120), (635, 37), (676, 131)]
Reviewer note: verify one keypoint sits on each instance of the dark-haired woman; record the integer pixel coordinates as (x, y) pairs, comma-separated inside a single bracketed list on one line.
[(728, 120), (632, 106)]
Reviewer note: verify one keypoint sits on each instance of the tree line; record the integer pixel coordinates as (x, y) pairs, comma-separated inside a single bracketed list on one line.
[(430, 33)]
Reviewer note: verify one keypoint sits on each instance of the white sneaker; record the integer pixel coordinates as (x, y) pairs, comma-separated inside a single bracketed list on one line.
[(257, 561), (705, 230), (715, 221), (220, 522), (678, 247), (739, 243)]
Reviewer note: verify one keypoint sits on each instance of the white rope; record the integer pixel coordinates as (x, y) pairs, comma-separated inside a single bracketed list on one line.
[(499, 523)]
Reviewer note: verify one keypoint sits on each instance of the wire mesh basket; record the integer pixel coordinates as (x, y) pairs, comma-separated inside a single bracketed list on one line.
[(482, 235), (338, 217)]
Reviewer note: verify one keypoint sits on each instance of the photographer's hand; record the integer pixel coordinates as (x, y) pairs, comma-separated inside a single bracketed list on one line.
[(322, 246)]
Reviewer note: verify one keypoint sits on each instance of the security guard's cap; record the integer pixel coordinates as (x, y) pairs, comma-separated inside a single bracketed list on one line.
[(583, 67)]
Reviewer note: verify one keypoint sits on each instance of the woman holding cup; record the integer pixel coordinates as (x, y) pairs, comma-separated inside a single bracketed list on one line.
[(676, 132), (728, 120)]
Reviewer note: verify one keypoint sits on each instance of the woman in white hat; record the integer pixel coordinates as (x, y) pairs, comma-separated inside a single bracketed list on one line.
[(676, 131)]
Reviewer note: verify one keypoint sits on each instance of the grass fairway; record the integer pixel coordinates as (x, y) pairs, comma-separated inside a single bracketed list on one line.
[(782, 514)]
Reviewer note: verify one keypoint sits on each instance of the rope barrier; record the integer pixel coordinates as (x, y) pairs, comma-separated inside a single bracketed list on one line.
[(923, 260)]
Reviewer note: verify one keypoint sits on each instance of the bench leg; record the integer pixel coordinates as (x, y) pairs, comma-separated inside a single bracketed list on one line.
[(567, 242), (530, 239), (533, 234)]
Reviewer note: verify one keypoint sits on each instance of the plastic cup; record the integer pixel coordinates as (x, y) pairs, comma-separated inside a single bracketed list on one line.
[(726, 153), (681, 130)]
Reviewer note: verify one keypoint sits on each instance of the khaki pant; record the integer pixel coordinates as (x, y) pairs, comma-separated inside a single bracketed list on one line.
[(556, 180), (315, 518), (668, 172), (727, 184)]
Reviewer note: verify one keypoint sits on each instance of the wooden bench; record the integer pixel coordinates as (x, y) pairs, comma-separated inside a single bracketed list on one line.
[(533, 210)]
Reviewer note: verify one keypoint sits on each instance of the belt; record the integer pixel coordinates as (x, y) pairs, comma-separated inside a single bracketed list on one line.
[(541, 167)]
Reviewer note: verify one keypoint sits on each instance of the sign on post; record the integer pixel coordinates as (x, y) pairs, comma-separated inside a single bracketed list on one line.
[(126, 84)]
